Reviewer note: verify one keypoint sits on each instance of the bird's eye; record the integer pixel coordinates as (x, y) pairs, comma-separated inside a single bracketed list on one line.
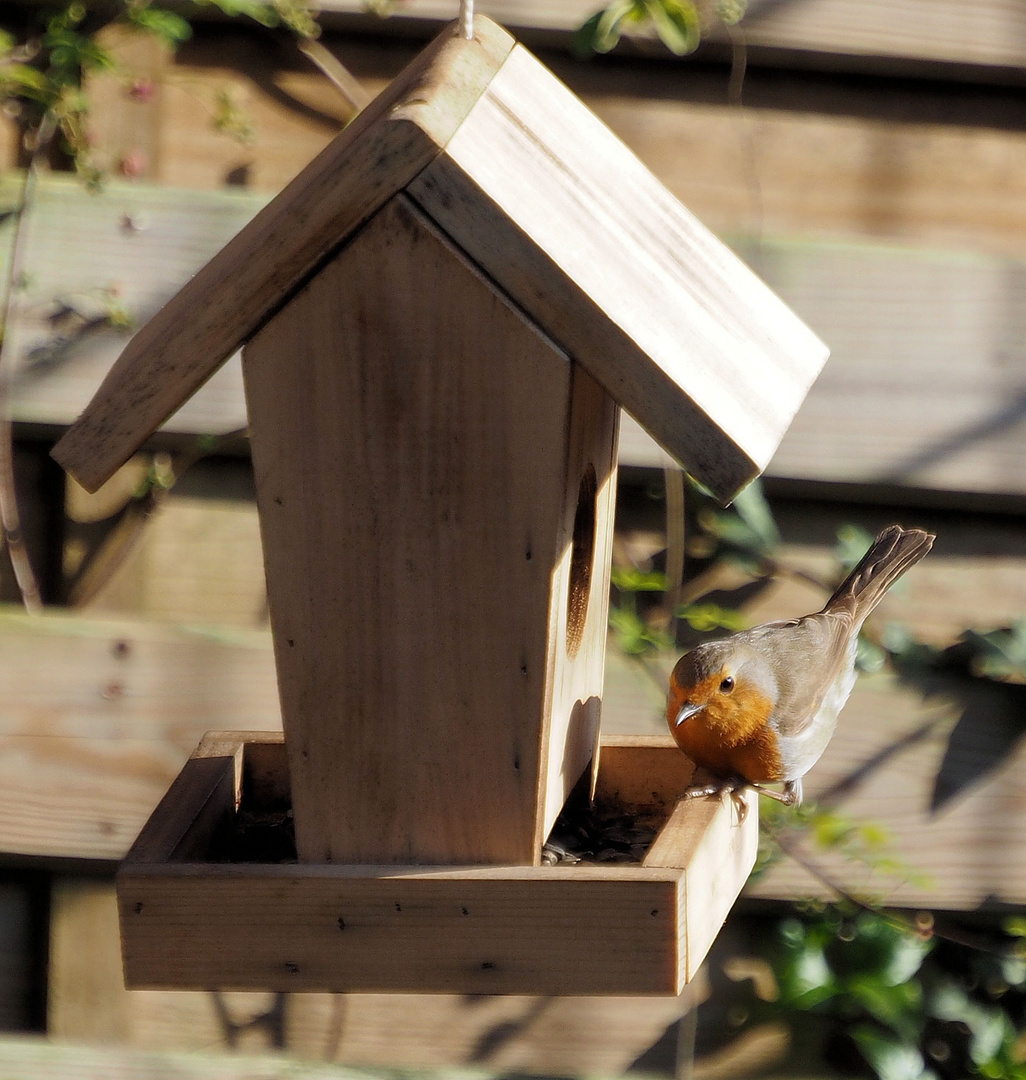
[(727, 685)]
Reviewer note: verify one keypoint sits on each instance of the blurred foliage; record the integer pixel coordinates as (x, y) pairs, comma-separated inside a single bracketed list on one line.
[(888, 997), (679, 24), (46, 55), (862, 990)]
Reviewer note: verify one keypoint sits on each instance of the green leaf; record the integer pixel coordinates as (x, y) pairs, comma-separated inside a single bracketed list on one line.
[(898, 1007), (831, 830), (892, 1057), (752, 508), (999, 654), (631, 579), (707, 617), (677, 23), (260, 11), (880, 950), (23, 80), (989, 1026), (869, 656), (731, 12), (604, 29), (633, 635), (852, 543), (165, 25)]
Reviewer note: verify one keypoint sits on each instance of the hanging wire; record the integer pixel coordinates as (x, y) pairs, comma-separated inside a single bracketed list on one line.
[(465, 26)]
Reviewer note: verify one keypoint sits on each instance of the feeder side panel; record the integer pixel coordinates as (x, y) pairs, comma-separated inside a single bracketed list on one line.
[(409, 432)]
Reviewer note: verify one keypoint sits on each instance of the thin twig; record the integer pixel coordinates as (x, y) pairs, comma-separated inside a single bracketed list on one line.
[(329, 65), (10, 519), (901, 922), (673, 477), (136, 512)]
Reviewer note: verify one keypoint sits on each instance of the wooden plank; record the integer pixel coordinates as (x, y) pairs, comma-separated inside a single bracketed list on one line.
[(197, 560), (178, 350), (579, 607), (901, 323), (689, 341), (952, 817), (86, 998), (594, 935), (496, 1034), (37, 1058), (474, 929), (837, 32), (203, 796), (99, 716), (126, 108), (923, 388), (443, 519), (636, 770), (90, 255)]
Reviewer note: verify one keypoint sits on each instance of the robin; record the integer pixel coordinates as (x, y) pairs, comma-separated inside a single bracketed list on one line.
[(760, 706)]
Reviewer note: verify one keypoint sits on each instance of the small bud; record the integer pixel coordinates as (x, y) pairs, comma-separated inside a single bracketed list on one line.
[(133, 164), (142, 90)]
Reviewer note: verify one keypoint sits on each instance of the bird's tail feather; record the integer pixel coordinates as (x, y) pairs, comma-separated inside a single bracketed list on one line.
[(891, 554)]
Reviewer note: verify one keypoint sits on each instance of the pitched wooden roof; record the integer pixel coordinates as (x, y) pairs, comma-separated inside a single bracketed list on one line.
[(555, 209)]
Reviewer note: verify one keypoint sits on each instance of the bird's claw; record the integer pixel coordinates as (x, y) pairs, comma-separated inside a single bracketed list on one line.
[(733, 786)]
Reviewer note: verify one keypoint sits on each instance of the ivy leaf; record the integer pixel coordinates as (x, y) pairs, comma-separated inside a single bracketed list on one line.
[(747, 525), (731, 12), (753, 509)]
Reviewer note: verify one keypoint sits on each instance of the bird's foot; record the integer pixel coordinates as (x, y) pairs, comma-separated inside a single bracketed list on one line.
[(734, 786)]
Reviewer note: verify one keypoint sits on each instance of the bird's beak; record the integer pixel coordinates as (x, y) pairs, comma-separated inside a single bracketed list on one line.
[(688, 709)]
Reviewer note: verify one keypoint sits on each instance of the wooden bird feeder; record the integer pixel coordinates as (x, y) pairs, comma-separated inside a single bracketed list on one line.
[(440, 318)]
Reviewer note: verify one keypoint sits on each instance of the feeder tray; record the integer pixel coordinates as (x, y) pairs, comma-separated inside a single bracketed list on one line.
[(189, 921)]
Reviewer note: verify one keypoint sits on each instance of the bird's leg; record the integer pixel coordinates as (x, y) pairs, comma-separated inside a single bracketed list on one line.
[(734, 786), (731, 785)]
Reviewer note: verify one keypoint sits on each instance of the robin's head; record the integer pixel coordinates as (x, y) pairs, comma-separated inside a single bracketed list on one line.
[(724, 687)]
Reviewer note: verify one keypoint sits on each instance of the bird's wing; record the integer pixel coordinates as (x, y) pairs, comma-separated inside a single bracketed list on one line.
[(807, 656)]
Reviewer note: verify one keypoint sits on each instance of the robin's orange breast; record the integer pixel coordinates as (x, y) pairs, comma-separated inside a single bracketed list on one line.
[(731, 734), (756, 759)]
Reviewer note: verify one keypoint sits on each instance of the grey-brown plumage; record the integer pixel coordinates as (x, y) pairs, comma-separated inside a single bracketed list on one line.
[(763, 704)]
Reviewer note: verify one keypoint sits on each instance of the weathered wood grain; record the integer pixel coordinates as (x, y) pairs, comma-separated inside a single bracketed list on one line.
[(555, 1036), (418, 465), (579, 609), (593, 929), (178, 350), (845, 33), (621, 275), (99, 715), (901, 322)]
